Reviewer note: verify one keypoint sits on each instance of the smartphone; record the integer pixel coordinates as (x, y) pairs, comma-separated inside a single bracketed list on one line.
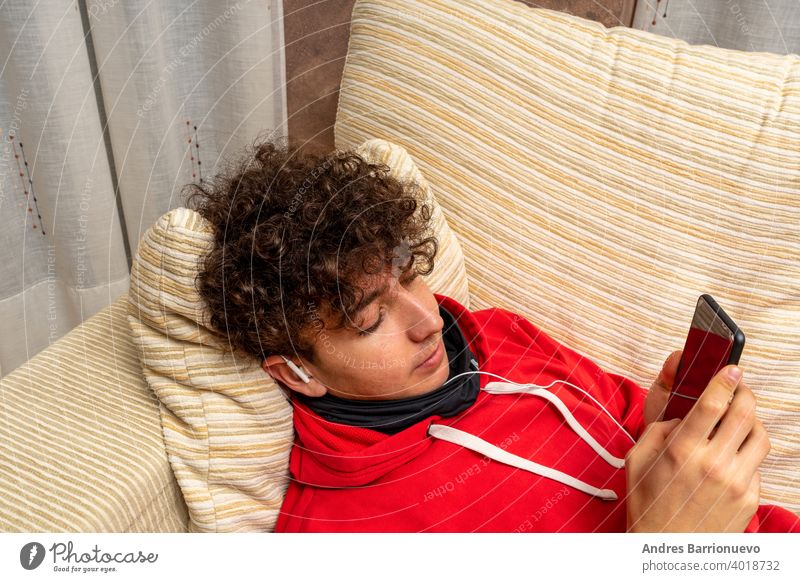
[(714, 341)]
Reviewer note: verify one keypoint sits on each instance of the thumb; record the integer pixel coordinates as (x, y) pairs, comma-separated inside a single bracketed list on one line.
[(658, 395), (666, 377)]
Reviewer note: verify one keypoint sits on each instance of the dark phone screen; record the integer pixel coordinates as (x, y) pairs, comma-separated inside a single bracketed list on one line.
[(707, 350)]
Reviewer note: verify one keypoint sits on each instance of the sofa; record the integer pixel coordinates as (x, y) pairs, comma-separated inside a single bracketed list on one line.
[(598, 181)]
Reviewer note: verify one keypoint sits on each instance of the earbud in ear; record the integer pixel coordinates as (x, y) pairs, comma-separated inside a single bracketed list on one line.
[(300, 373)]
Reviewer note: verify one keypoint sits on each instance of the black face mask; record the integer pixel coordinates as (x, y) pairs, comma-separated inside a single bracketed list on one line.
[(392, 416)]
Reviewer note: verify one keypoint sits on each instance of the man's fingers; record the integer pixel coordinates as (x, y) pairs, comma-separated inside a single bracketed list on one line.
[(710, 407), (754, 449), (755, 487), (753, 498), (736, 423)]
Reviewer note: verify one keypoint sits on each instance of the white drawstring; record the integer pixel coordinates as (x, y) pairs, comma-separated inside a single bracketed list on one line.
[(470, 441), (477, 444), (506, 388)]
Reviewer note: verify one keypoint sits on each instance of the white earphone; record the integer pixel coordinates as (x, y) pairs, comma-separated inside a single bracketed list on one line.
[(300, 374)]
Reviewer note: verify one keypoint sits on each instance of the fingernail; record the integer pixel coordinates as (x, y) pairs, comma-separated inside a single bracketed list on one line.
[(734, 373)]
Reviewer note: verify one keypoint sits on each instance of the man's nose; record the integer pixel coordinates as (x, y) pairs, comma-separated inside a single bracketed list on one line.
[(421, 322)]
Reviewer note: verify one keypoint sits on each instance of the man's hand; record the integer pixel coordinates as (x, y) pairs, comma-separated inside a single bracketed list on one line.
[(680, 480), (656, 400)]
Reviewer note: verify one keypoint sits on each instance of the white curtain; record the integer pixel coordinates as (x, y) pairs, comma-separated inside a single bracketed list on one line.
[(107, 109), (749, 25)]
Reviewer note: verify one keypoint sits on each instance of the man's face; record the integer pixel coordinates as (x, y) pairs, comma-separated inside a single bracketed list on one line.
[(387, 356)]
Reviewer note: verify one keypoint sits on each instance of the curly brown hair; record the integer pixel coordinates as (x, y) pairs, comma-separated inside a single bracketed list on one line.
[(295, 232)]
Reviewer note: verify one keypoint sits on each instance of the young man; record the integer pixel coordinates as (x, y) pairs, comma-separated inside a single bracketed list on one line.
[(413, 413)]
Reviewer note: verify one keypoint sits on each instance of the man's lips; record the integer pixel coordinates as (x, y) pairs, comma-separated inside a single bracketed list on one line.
[(434, 354)]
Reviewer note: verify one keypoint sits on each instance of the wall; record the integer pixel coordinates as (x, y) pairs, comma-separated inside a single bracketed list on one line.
[(316, 34)]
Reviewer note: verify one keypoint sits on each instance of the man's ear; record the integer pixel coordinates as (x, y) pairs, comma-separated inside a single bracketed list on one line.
[(277, 368)]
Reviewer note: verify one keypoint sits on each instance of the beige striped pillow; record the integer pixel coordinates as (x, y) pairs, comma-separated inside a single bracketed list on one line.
[(601, 179), (226, 425)]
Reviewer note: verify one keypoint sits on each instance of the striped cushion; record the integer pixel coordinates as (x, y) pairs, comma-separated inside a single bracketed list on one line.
[(80, 440), (449, 276), (601, 179), (226, 424)]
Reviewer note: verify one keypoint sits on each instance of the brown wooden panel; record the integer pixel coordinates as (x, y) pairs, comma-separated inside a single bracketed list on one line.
[(608, 12), (316, 34)]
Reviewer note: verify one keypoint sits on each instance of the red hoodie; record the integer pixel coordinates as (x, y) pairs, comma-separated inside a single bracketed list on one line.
[(529, 459)]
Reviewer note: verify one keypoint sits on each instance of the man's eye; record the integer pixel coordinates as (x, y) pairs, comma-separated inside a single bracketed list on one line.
[(408, 278), (373, 327)]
